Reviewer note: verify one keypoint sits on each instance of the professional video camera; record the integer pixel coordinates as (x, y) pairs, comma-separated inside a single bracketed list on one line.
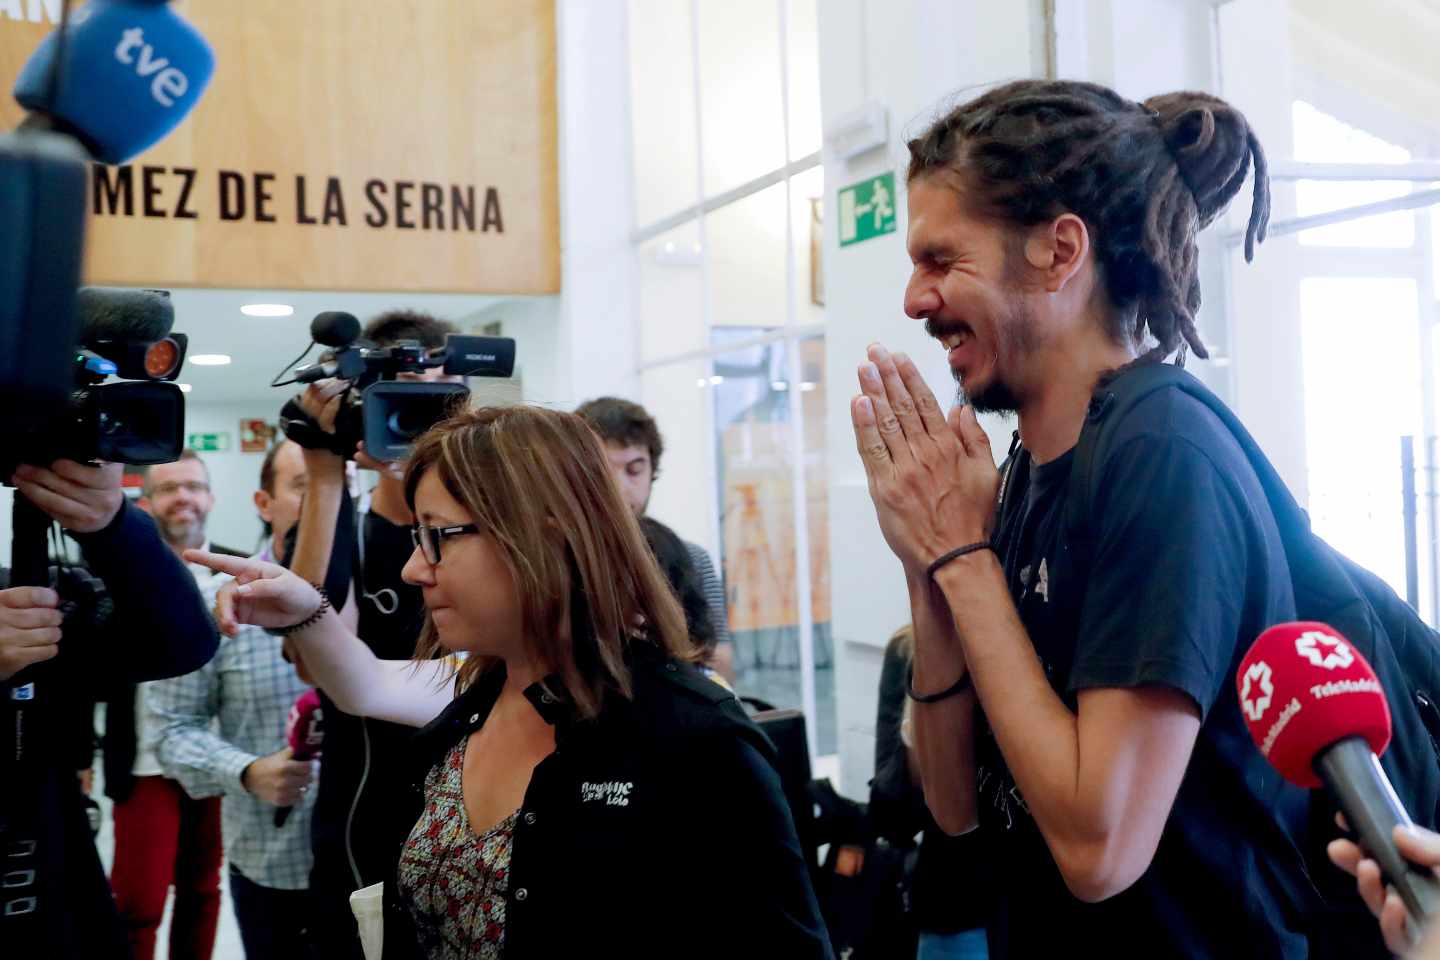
[(139, 420), (386, 412)]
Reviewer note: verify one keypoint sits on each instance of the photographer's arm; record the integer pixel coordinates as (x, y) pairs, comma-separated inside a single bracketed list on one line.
[(156, 600), (324, 494)]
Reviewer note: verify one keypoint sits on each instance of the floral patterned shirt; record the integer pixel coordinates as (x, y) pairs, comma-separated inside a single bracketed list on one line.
[(453, 880)]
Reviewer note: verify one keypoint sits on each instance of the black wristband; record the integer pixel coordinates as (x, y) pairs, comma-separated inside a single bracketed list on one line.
[(314, 618), (959, 686), (956, 554)]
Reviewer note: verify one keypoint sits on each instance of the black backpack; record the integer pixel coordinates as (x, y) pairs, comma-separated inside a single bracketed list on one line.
[(1329, 588)]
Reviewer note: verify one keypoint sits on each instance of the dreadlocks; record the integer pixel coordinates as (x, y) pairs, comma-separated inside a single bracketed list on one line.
[(1145, 178)]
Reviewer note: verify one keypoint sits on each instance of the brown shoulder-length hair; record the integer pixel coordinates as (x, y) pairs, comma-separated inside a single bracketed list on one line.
[(537, 481)]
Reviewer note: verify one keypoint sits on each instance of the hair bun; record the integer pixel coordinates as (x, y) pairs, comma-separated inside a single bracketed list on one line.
[(1213, 147)]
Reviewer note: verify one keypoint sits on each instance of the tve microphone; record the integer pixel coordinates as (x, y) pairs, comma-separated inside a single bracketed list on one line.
[(1317, 712), (131, 71), (304, 731)]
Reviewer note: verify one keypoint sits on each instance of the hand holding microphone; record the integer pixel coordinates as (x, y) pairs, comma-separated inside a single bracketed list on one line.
[(304, 732), (1417, 845), (1317, 712)]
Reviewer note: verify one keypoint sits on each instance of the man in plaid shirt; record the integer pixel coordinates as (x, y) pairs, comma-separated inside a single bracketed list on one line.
[(249, 688)]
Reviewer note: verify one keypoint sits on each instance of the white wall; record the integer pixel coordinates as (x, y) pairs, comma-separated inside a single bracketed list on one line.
[(234, 476), (534, 324), (913, 56), (597, 334)]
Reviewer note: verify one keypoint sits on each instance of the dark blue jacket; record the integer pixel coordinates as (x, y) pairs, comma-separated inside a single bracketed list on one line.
[(160, 628)]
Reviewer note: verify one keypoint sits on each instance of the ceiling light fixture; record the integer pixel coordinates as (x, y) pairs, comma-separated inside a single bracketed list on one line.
[(267, 310)]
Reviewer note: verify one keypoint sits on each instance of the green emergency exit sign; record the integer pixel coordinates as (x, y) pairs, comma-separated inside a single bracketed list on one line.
[(208, 442), (867, 209)]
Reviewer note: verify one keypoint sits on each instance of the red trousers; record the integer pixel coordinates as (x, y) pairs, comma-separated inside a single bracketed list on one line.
[(162, 836)]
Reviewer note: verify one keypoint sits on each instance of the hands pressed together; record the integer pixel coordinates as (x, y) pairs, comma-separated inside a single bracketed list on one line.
[(933, 478)]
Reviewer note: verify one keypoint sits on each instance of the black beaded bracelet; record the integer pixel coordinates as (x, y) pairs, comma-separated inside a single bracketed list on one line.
[(956, 554), (314, 618), (959, 686)]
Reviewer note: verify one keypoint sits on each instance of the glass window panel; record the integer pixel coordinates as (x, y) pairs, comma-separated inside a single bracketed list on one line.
[(672, 302), (740, 109), (1321, 138), (662, 109), (755, 445), (802, 50), (1360, 349), (747, 260), (678, 397), (807, 236)]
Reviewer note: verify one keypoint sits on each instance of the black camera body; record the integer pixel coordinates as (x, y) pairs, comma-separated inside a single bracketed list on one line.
[(137, 420), (384, 406)]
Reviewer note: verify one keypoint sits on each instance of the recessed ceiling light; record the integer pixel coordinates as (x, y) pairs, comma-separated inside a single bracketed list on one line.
[(210, 359), (267, 310), (185, 388)]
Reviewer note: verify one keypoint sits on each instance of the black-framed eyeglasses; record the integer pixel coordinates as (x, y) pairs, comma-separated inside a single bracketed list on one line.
[(428, 538)]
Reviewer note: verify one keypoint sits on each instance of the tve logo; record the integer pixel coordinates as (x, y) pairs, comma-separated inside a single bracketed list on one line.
[(169, 82), (34, 11)]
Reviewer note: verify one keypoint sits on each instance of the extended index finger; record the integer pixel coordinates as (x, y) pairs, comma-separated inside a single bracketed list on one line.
[(235, 566)]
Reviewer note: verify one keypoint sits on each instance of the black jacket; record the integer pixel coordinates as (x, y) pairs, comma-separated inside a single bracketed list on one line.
[(160, 628), (658, 829)]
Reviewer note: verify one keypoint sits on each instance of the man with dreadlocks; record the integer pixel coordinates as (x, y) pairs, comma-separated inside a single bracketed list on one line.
[(1052, 230)]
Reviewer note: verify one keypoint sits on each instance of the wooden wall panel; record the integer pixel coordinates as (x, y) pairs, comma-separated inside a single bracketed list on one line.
[(386, 105)]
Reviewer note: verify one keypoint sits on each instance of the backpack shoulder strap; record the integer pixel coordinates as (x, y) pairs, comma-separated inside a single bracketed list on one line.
[(1109, 405)]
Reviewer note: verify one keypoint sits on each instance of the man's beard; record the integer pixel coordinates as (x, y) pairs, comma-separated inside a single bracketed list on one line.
[(1017, 338), (183, 534)]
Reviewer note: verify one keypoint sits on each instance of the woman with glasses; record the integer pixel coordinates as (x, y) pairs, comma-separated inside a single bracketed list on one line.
[(579, 789)]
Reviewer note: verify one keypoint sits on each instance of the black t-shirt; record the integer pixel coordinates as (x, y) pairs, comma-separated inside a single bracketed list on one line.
[(360, 814), (1186, 569)]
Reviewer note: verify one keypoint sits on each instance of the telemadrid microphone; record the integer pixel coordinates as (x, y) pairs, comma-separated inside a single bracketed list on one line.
[(1317, 712), (131, 71), (305, 732)]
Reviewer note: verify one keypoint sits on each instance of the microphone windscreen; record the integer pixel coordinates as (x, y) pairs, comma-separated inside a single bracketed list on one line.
[(1302, 687), (110, 313), (334, 328), (303, 730), (131, 73)]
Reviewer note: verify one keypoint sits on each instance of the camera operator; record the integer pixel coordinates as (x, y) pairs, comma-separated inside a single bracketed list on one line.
[(359, 825), (56, 892)]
